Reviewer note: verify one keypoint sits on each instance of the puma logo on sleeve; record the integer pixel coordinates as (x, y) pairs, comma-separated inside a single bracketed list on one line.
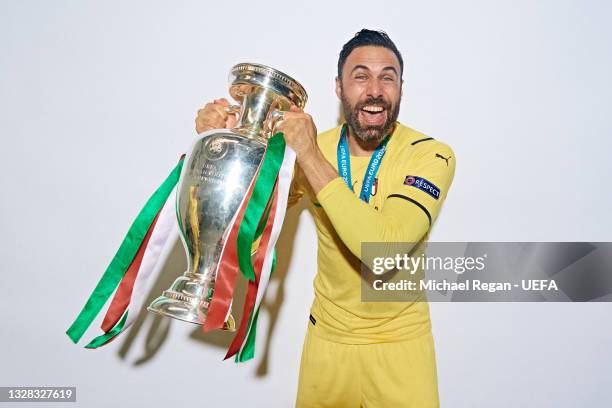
[(443, 158)]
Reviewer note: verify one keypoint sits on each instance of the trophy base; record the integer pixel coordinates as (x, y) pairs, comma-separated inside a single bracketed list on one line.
[(191, 312)]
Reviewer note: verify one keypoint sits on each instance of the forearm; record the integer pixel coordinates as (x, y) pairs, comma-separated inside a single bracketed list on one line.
[(357, 222), (318, 171), (354, 220)]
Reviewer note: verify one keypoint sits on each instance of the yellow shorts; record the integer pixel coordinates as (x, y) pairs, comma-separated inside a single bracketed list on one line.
[(389, 375)]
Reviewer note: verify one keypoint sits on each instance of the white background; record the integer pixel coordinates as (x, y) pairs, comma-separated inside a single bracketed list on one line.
[(97, 101)]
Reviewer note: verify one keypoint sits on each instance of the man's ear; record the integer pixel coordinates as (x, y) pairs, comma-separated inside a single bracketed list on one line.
[(338, 88), (402, 88)]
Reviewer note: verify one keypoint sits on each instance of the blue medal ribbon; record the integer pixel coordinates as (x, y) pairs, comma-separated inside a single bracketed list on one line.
[(344, 165)]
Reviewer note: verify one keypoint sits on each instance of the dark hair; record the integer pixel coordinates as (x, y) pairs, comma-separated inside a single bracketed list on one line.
[(368, 37)]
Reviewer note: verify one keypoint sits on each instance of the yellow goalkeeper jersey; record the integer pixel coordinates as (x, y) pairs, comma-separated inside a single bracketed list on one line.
[(411, 184)]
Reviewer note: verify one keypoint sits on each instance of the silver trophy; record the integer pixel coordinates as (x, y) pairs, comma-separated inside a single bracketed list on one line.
[(215, 179)]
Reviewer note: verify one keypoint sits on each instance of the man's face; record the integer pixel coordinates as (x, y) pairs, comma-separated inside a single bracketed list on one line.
[(370, 91)]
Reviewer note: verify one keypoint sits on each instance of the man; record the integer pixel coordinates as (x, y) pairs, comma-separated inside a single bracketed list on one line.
[(371, 180)]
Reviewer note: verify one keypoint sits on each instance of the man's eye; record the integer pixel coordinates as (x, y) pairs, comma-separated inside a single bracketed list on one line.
[(361, 77), (388, 78)]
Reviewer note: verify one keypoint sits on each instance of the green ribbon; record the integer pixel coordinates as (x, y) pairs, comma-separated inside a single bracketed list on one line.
[(123, 258), (252, 334), (101, 340), (262, 224), (248, 351), (262, 190)]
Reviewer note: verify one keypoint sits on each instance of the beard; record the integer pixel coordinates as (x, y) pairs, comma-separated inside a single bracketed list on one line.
[(370, 133)]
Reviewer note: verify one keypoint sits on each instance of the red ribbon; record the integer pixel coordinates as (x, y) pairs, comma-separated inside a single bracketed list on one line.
[(251, 296), (227, 272), (122, 296)]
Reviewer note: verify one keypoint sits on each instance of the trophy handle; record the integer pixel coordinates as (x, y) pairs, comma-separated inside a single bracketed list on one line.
[(232, 109), (276, 116)]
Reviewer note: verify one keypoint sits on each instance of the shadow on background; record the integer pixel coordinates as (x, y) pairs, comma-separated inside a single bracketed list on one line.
[(157, 327), (284, 252)]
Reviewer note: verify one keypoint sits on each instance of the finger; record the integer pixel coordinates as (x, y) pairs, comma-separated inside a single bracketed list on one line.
[(222, 101), (213, 107), (215, 110), (210, 117), (232, 121), (202, 126), (294, 115)]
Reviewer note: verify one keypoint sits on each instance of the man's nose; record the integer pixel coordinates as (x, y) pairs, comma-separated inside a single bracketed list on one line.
[(374, 88)]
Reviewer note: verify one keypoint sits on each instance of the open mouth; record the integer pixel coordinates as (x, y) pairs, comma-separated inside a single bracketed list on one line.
[(373, 115)]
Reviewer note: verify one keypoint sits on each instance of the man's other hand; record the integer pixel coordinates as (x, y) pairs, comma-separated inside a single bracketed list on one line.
[(215, 116), (300, 132)]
